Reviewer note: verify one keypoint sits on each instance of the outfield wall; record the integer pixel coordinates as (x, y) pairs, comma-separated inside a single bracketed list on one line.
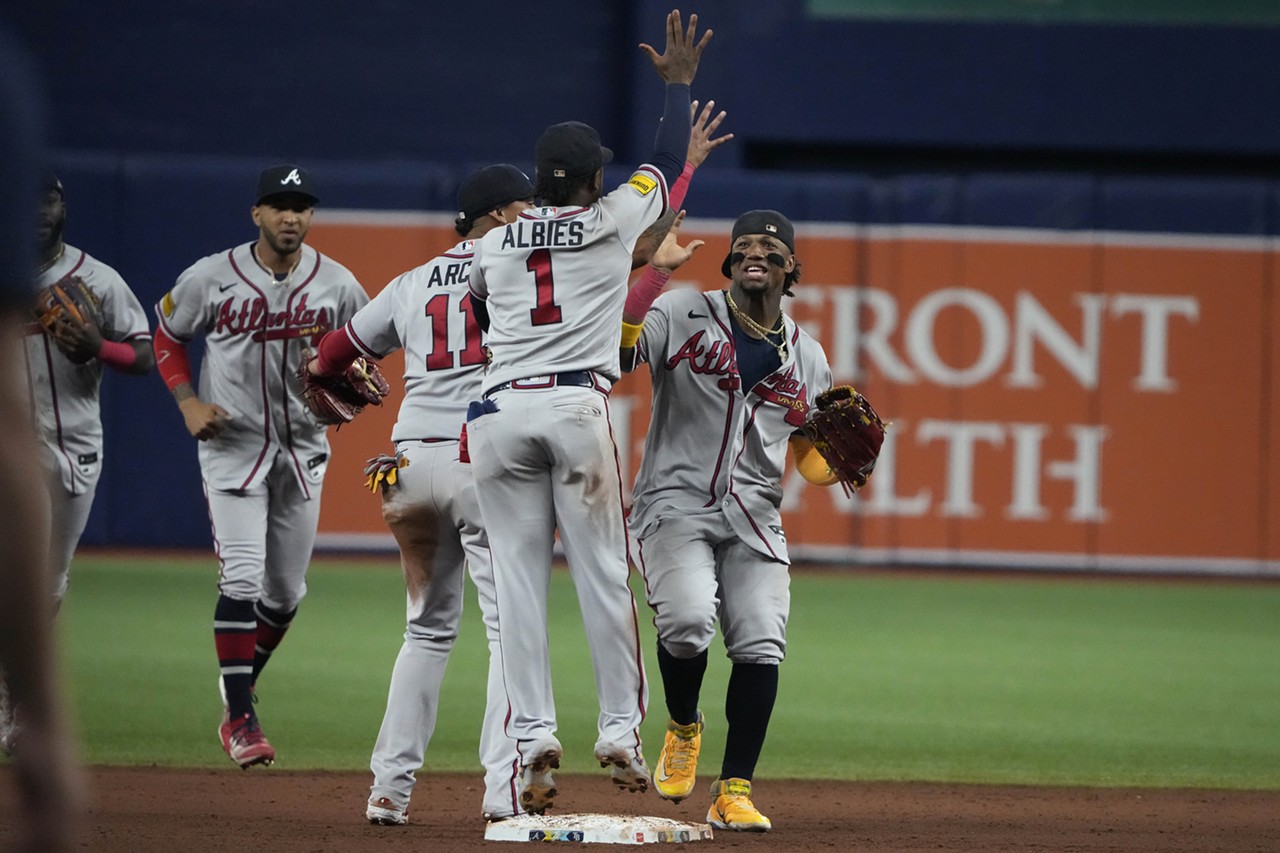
[(1079, 370), (1057, 399)]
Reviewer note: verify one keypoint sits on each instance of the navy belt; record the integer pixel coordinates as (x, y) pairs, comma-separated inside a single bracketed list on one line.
[(580, 378)]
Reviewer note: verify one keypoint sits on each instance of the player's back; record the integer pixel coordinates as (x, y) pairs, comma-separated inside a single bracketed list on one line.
[(427, 312), (557, 280)]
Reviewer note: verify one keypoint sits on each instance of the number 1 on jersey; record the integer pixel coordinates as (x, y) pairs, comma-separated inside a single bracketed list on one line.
[(545, 311)]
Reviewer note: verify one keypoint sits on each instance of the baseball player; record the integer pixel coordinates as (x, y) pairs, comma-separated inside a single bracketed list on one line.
[(705, 520), (64, 372), (261, 306), (549, 290), (430, 504)]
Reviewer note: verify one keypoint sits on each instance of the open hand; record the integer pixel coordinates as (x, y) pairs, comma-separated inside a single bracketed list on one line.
[(671, 255), (679, 61), (703, 126)]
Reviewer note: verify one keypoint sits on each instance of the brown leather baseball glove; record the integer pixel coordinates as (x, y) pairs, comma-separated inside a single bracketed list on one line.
[(71, 300), (337, 399), (847, 432)]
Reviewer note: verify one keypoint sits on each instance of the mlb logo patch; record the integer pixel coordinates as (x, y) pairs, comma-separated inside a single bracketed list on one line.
[(643, 183)]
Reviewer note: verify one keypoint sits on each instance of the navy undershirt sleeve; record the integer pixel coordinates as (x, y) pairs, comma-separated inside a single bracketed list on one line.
[(672, 143)]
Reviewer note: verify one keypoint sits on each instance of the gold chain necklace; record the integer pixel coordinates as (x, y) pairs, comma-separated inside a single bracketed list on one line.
[(760, 330), (48, 265)]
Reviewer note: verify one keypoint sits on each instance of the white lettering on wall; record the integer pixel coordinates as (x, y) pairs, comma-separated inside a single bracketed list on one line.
[(1155, 312), (922, 342), (975, 449), (961, 439), (1033, 324), (864, 320)]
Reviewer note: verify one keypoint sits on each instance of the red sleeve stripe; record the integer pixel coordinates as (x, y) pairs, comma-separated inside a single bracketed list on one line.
[(171, 359)]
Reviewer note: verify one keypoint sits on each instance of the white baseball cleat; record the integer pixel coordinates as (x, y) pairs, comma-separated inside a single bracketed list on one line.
[(629, 772), (537, 788), (384, 812)]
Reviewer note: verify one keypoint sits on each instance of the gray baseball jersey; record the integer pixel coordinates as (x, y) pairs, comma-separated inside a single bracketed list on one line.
[(433, 513), (256, 329), (65, 393), (711, 442), (555, 280), (427, 312), (65, 396)]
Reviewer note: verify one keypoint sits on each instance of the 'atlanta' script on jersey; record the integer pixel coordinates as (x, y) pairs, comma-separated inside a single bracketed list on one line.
[(253, 316), (785, 390), (718, 359)]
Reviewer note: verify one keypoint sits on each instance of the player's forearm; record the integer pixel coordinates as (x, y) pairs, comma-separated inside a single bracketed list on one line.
[(335, 353), (134, 357), (681, 186), (172, 362), (182, 392), (672, 142), (640, 297)]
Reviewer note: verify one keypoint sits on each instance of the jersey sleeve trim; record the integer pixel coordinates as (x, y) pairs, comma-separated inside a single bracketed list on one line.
[(161, 325), (364, 348), (662, 184)]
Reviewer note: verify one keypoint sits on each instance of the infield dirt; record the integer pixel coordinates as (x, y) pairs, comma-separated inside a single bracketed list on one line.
[(191, 811)]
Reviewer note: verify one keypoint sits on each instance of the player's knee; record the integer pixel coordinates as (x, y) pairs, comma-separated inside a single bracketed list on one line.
[(766, 650), (241, 588), (688, 636), (430, 638), (282, 601)]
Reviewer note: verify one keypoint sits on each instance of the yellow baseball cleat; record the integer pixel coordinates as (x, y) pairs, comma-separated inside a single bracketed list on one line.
[(678, 764), (733, 809)]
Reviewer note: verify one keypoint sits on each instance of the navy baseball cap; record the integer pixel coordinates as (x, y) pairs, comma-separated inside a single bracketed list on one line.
[(491, 187), (285, 179), (769, 222), (569, 150), (49, 183)]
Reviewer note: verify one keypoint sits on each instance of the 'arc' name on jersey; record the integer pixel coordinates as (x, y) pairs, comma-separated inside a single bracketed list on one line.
[(443, 275), (526, 234)]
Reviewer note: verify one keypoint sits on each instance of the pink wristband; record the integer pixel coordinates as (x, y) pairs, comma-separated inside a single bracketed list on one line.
[(644, 291), (116, 354), (681, 186)]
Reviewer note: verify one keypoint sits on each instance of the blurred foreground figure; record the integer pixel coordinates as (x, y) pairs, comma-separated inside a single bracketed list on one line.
[(50, 798)]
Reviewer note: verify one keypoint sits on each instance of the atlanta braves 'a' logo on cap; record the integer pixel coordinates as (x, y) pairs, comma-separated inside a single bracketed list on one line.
[(286, 178)]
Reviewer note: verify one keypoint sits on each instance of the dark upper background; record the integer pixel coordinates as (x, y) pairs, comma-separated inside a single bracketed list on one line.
[(1156, 115), (1128, 84)]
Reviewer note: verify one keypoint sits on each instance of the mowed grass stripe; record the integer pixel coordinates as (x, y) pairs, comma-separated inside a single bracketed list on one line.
[(1018, 679)]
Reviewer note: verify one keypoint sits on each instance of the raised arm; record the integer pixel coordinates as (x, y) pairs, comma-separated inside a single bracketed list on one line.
[(677, 65), (669, 257), (701, 143)]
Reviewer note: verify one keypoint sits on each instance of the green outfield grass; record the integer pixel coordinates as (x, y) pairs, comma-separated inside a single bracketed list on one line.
[(1017, 679)]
